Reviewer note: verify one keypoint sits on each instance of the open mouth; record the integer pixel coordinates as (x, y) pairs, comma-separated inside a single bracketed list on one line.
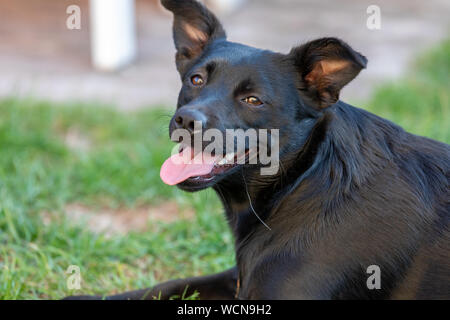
[(185, 169)]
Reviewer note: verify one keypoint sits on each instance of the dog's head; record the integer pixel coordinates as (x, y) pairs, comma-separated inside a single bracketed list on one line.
[(227, 85)]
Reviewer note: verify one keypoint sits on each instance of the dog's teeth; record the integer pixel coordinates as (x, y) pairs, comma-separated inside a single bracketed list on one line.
[(222, 162), (229, 156)]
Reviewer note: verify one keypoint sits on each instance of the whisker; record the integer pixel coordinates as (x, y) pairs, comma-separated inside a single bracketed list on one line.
[(250, 201)]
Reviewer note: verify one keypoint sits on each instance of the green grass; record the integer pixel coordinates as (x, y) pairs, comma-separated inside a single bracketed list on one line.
[(40, 173), (420, 101)]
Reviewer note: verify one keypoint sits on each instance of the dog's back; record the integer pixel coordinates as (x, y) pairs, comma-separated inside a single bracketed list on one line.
[(425, 164)]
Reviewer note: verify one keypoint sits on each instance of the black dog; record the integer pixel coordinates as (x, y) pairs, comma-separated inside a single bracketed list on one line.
[(353, 190)]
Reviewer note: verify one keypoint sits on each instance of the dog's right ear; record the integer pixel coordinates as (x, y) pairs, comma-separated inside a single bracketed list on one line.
[(194, 27)]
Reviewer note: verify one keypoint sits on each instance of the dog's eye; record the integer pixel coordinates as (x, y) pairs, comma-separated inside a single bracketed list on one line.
[(253, 101), (197, 80)]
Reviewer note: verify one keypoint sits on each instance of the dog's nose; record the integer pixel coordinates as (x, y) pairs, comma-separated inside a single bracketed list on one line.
[(190, 119)]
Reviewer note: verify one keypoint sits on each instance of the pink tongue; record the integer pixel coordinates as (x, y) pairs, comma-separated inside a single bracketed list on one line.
[(181, 167)]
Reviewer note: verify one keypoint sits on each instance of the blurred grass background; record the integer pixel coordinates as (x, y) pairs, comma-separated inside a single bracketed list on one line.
[(419, 102), (40, 173)]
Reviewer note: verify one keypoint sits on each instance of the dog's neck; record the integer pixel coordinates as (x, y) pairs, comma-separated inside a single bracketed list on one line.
[(241, 201), (249, 198)]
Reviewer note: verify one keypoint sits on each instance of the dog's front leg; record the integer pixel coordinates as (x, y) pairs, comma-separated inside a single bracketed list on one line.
[(221, 286)]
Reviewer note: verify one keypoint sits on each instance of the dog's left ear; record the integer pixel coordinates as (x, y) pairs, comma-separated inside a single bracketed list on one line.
[(325, 66), (194, 27)]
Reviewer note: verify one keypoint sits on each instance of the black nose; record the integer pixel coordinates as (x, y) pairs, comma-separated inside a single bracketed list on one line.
[(187, 118)]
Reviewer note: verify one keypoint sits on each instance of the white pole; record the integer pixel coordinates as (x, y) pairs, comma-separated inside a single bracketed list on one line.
[(113, 33)]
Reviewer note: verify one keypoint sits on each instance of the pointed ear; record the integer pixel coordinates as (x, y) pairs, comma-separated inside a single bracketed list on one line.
[(194, 27), (325, 66)]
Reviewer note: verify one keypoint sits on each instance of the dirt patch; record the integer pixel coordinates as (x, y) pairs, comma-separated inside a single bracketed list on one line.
[(76, 140), (121, 221)]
